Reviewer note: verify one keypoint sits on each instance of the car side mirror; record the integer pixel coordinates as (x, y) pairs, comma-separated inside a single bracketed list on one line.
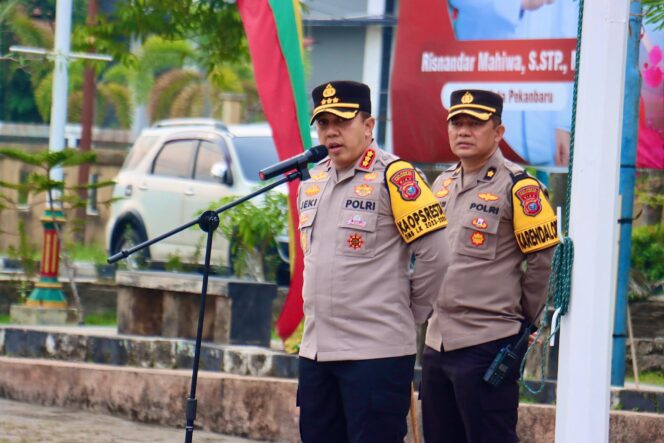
[(221, 171)]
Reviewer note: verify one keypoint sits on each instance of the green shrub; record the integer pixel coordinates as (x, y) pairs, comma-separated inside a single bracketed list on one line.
[(648, 252)]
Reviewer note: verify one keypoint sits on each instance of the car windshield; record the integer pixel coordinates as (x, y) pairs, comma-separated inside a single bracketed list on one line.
[(255, 153)]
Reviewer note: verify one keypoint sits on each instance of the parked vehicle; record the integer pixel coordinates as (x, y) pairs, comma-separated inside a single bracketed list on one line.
[(177, 168)]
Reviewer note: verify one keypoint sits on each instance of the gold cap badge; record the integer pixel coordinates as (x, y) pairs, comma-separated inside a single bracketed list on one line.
[(467, 98), (329, 91)]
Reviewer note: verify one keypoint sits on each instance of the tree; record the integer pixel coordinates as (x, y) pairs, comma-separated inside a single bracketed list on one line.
[(214, 25)]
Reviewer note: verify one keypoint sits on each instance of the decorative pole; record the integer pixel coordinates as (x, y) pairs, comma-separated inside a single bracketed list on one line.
[(48, 291)]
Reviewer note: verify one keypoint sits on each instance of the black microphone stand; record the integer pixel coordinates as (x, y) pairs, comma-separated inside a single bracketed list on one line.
[(208, 222)]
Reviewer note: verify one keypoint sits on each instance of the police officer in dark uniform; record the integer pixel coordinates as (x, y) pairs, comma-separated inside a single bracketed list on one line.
[(500, 244), (363, 214)]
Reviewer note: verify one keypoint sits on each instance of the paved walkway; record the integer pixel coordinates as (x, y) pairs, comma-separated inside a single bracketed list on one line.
[(28, 423)]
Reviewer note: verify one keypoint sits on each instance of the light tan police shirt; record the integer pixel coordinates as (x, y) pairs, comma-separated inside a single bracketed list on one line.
[(497, 222), (358, 229)]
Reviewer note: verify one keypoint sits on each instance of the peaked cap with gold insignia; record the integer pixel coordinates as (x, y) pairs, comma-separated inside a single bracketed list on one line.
[(343, 98), (477, 103)]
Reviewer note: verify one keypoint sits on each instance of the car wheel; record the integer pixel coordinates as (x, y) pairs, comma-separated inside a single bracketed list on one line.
[(129, 237)]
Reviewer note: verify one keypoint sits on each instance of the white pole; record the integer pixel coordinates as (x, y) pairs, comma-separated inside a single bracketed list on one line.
[(582, 413), (60, 81)]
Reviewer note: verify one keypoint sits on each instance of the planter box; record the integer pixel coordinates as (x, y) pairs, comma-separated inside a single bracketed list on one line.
[(167, 304)]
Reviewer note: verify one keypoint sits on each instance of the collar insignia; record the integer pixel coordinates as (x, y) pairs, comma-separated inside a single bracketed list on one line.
[(367, 159), (490, 173)]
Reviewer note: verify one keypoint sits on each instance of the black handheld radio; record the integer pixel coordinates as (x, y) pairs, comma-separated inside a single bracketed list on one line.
[(506, 360)]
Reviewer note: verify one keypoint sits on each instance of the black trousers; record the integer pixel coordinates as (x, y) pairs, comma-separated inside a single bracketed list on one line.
[(458, 406), (363, 401)]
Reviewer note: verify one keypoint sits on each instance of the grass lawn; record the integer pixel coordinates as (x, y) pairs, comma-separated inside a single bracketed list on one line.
[(648, 378)]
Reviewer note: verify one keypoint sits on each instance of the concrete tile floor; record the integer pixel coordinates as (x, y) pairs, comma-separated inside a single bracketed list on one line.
[(29, 423)]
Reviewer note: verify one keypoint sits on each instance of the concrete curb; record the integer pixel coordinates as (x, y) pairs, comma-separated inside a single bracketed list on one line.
[(251, 407), (256, 408)]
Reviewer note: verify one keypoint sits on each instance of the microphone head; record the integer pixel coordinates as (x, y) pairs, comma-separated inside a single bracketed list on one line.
[(317, 153)]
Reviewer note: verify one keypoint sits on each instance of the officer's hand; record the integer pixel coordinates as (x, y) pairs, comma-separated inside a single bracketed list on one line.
[(531, 339)]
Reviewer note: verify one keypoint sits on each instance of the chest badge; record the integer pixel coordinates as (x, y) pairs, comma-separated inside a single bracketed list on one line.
[(530, 200), (487, 196), (477, 239), (442, 193), (363, 190), (480, 223), (447, 182), (312, 190), (371, 176), (356, 220), (355, 241), (405, 180)]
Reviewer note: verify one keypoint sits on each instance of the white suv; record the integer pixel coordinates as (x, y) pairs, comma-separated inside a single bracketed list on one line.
[(175, 169)]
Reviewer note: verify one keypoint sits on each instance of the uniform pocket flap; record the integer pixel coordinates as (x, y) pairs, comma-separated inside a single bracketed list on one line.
[(360, 221)]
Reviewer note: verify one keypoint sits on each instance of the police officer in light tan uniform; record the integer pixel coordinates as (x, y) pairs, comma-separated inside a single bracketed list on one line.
[(500, 244), (363, 214)]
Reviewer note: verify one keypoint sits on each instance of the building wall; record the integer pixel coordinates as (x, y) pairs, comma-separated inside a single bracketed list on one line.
[(337, 53)]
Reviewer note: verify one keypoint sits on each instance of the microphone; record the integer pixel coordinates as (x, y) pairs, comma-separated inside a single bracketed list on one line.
[(312, 155)]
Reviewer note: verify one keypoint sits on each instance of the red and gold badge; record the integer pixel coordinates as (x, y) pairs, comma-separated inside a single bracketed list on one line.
[(530, 200), (442, 193), (355, 241), (487, 196), (405, 180), (312, 190), (320, 176), (371, 176), (477, 239), (480, 223), (363, 190), (368, 159)]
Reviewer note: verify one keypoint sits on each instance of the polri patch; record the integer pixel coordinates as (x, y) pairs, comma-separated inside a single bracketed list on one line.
[(405, 181), (530, 200), (355, 241)]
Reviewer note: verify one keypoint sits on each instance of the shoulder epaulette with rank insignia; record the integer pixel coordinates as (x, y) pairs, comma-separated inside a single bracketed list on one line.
[(415, 209), (535, 222)]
